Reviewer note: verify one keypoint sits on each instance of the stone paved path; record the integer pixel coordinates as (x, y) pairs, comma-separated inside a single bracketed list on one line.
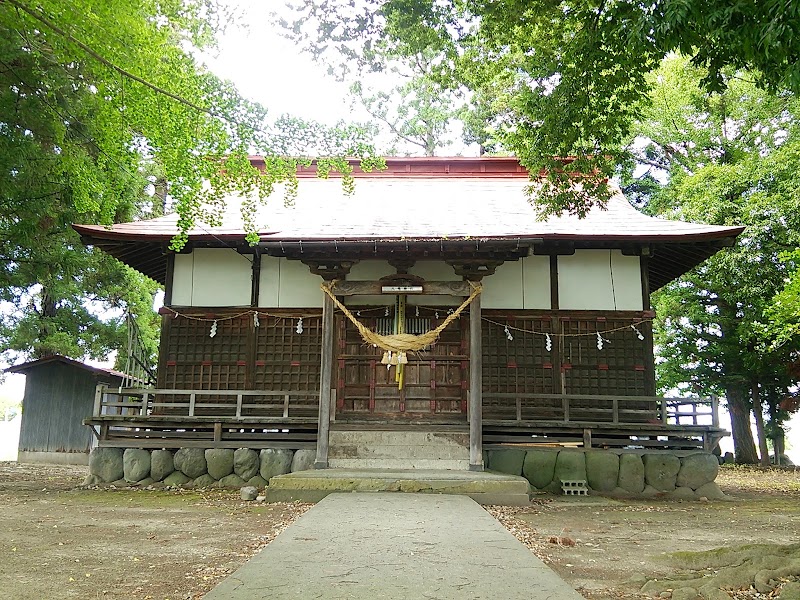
[(394, 545)]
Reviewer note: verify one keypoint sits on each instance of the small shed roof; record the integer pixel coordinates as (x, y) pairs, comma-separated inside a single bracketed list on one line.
[(25, 368), (420, 200)]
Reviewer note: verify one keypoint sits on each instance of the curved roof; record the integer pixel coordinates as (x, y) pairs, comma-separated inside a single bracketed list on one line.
[(415, 205)]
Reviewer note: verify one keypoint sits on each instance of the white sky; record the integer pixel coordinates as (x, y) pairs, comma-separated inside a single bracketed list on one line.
[(269, 69)]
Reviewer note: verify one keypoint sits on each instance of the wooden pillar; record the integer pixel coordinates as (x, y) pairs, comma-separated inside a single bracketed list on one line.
[(326, 371), (475, 387)]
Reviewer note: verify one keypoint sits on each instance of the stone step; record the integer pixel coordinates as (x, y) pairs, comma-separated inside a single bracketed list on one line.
[(429, 451), (399, 463), (384, 449), (485, 488), (398, 438)]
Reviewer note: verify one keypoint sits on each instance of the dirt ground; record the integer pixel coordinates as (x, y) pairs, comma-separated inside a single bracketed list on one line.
[(618, 542), (60, 541)]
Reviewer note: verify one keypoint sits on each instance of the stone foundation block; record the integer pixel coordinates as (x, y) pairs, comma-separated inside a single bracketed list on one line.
[(711, 491), (682, 493), (257, 481), (631, 473), (602, 470), (135, 464), (697, 470), (507, 461), (245, 463), (274, 462), (191, 462), (539, 467), (232, 481), (107, 464), (661, 471), (176, 478), (204, 481), (570, 464), (303, 460), (219, 462), (161, 464)]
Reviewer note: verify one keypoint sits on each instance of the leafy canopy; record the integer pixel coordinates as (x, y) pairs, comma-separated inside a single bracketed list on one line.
[(103, 103), (728, 158), (558, 78)]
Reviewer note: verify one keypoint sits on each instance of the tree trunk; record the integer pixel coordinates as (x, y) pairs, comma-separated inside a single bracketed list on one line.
[(762, 436), (743, 445), (47, 312)]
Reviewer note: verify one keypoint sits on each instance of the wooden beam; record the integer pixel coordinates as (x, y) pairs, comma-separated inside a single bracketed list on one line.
[(168, 279), (326, 372), (553, 282), (373, 288), (256, 279), (475, 387)]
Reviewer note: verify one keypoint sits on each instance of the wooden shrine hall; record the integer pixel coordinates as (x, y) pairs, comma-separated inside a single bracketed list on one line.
[(431, 299)]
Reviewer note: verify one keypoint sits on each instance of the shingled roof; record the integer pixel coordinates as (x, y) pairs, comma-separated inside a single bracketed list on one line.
[(424, 200)]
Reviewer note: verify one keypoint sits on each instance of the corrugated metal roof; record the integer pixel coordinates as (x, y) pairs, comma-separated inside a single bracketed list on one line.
[(421, 208)]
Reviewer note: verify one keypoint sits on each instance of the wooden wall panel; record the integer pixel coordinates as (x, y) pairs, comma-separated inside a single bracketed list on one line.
[(574, 365), (240, 356)]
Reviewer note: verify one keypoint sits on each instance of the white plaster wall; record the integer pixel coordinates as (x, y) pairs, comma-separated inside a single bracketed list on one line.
[(288, 284), (536, 282), (182, 280), (370, 270), (434, 270), (269, 282), (521, 284), (585, 281), (211, 277), (503, 289)]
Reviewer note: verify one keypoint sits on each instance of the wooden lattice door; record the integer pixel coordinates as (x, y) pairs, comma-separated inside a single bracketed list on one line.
[(435, 380)]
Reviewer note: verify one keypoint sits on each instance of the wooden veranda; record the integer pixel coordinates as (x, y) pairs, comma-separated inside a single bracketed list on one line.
[(285, 419)]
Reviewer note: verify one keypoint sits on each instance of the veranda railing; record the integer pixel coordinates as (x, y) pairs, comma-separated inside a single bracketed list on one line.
[(145, 402), (600, 408)]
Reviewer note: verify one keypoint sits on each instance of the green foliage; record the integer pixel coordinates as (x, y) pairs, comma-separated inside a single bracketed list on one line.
[(558, 78), (416, 113), (730, 158), (97, 99)]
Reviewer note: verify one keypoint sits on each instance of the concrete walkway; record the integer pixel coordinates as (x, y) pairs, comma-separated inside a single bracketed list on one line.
[(391, 545)]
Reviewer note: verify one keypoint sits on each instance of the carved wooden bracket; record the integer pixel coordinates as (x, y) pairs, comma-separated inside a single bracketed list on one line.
[(330, 269), (474, 269), (402, 265)]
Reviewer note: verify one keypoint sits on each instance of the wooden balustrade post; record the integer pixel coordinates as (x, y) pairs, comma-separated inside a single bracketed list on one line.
[(714, 410), (98, 400), (326, 372)]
